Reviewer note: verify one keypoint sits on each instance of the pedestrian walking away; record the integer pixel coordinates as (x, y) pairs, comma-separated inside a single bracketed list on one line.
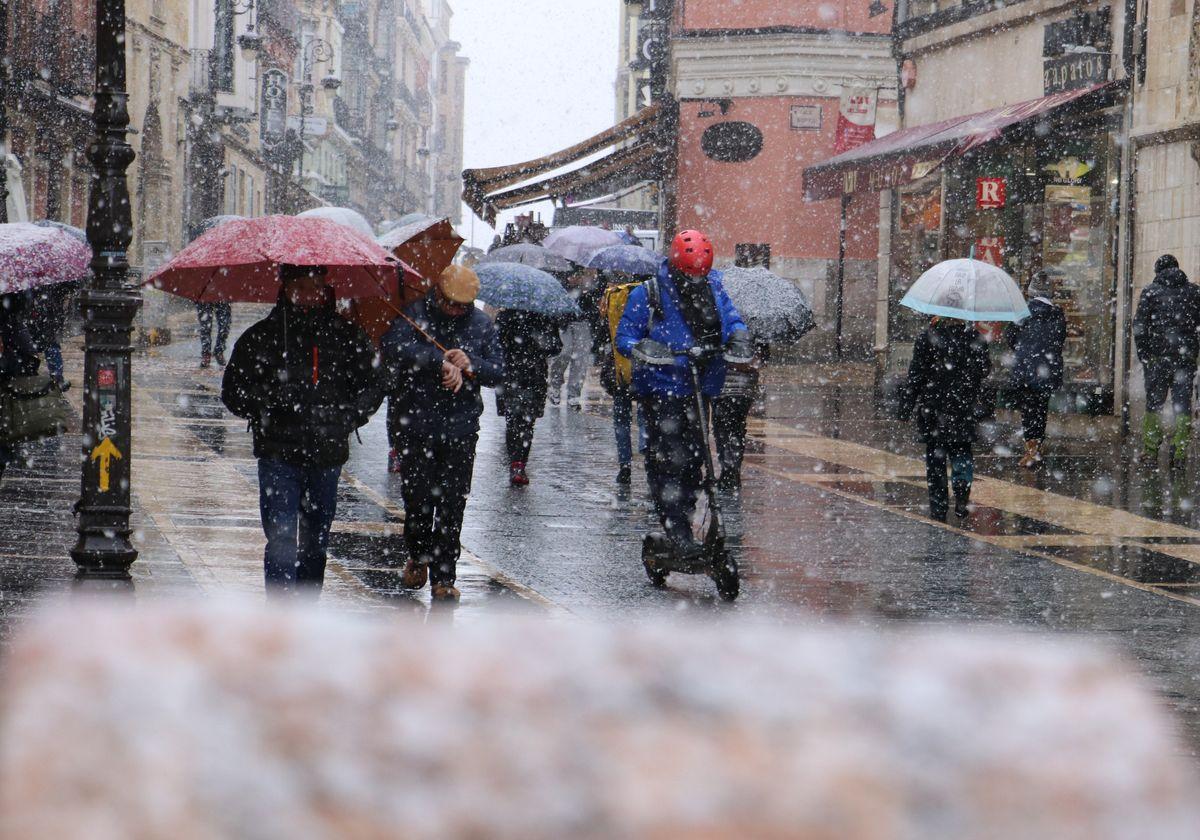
[(616, 374), (305, 379), (437, 388), (945, 382), (206, 314), (47, 320), (730, 410), (575, 359), (1165, 333), (1037, 371), (529, 340), (684, 310), (18, 356)]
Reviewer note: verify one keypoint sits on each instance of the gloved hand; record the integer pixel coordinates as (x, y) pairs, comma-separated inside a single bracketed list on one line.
[(739, 350), (651, 352)]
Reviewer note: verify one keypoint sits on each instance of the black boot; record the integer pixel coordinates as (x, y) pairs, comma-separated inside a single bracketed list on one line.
[(962, 497), (625, 475)]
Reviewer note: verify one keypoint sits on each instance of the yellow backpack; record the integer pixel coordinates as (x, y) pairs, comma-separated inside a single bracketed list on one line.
[(612, 307)]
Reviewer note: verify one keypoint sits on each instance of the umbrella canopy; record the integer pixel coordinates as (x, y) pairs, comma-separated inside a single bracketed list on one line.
[(526, 253), (32, 256), (239, 261), (425, 247), (970, 290), (628, 259), (343, 216), (78, 233), (772, 307), (578, 242), (516, 286), (215, 221)]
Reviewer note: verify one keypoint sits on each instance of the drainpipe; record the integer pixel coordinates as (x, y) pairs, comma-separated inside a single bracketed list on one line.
[(840, 292), (1129, 62)]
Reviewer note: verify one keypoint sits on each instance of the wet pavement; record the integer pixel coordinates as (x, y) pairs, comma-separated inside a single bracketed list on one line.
[(831, 523)]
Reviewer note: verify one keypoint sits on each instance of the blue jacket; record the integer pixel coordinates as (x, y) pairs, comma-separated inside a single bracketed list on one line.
[(668, 327), (418, 404)]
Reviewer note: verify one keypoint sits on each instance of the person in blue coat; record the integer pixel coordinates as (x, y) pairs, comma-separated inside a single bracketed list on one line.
[(1037, 371), (437, 394), (683, 313)]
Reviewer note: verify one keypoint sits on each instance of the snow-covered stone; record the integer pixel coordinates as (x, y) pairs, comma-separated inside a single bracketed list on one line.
[(219, 721)]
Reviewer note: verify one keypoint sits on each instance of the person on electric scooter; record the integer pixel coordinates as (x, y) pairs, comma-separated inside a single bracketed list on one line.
[(683, 316)]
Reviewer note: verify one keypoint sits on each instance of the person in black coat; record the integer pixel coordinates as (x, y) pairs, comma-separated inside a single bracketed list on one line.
[(1166, 333), (305, 378), (945, 380), (47, 320), (1037, 372), (18, 356), (437, 428), (528, 340)]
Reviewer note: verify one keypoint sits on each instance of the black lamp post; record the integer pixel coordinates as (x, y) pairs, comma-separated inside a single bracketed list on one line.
[(4, 61), (109, 305), (316, 51)]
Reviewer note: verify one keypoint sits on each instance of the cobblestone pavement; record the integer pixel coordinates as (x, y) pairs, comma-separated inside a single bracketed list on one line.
[(831, 524)]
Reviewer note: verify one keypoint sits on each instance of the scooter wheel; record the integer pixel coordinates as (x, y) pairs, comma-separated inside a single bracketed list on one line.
[(658, 577), (725, 576)]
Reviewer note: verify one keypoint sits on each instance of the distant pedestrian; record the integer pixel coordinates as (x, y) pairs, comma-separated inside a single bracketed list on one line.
[(616, 373), (18, 356), (206, 313), (1037, 372), (629, 236), (528, 340), (306, 379), (1166, 333), (945, 382), (47, 320), (573, 363), (497, 242), (730, 410), (438, 424)]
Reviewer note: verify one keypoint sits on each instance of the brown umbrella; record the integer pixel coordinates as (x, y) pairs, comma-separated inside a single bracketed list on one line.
[(426, 246)]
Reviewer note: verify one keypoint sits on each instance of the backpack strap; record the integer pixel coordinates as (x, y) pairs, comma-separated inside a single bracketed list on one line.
[(654, 299)]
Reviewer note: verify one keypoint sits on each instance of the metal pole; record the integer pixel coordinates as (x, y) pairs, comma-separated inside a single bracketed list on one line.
[(109, 306), (840, 293), (4, 62)]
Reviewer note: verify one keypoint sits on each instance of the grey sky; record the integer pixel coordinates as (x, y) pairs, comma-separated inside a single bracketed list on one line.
[(541, 78)]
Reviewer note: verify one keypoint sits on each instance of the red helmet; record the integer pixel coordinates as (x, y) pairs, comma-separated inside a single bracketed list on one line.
[(692, 253)]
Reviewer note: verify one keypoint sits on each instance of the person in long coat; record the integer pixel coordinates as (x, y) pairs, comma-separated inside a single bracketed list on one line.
[(529, 341), (945, 380), (1037, 372), (18, 356)]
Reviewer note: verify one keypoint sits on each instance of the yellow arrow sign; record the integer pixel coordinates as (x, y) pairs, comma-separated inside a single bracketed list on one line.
[(105, 452)]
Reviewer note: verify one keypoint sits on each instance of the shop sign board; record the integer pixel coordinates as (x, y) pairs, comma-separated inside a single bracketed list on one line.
[(1074, 71), (990, 249), (990, 193), (806, 118), (856, 118)]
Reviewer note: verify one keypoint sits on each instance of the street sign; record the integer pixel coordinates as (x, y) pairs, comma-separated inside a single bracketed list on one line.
[(313, 126)]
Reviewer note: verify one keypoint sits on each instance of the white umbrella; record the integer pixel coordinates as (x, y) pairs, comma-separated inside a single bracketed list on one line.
[(970, 290), (578, 242), (343, 216)]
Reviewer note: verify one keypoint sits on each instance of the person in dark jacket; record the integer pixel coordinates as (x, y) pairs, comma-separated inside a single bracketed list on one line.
[(528, 340), (438, 392), (1166, 333), (945, 379), (47, 320), (684, 313), (18, 356), (1037, 372), (729, 412), (305, 378)]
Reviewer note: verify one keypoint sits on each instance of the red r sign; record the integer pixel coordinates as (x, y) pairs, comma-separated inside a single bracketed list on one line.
[(990, 193), (990, 249)]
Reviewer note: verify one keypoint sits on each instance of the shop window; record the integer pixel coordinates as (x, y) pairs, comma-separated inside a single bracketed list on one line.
[(747, 255)]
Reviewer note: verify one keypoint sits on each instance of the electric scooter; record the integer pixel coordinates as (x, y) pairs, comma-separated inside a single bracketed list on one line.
[(659, 556)]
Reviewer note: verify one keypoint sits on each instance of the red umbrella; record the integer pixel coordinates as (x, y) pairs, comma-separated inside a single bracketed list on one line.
[(239, 261)]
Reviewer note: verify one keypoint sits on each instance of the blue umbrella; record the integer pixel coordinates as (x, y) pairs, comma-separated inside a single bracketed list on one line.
[(628, 259), (516, 286)]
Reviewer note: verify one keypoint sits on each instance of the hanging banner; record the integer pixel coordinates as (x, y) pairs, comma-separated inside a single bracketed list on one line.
[(856, 118)]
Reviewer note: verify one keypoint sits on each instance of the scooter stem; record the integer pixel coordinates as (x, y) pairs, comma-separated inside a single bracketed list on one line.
[(709, 470)]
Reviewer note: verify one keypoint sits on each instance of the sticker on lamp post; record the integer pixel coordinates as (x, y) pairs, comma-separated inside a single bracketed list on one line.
[(106, 427)]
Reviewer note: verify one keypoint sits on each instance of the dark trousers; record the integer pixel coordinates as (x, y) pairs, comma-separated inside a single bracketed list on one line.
[(435, 483), (1163, 375), (674, 461), (518, 436), (961, 461), (224, 318), (297, 505), (729, 428), (1034, 405)]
